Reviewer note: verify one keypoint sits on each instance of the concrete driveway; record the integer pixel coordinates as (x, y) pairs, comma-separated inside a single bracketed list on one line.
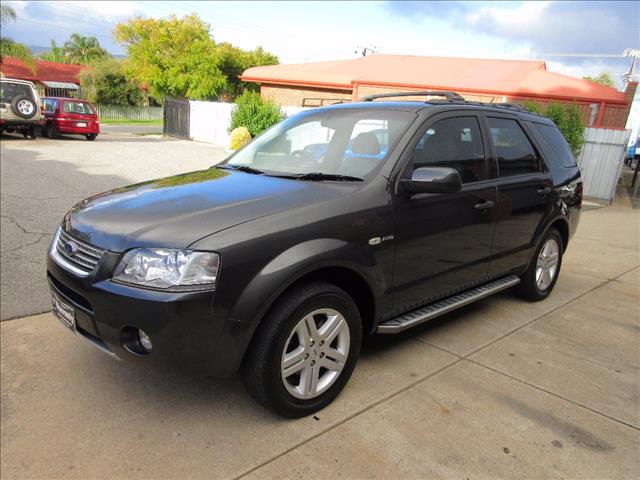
[(501, 389), (41, 179)]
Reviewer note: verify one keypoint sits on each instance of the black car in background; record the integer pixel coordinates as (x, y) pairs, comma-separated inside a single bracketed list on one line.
[(277, 261)]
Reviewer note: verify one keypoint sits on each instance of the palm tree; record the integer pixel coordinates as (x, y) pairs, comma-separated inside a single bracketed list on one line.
[(10, 48), (84, 50)]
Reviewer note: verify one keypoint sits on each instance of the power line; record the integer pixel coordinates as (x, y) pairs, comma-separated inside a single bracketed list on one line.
[(76, 30)]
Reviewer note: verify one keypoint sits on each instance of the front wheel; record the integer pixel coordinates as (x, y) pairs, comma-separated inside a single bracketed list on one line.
[(541, 276), (304, 350)]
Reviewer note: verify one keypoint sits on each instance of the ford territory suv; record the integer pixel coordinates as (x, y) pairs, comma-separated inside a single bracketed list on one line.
[(277, 261)]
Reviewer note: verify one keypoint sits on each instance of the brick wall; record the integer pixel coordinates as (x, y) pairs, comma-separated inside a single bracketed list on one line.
[(614, 115), (296, 96)]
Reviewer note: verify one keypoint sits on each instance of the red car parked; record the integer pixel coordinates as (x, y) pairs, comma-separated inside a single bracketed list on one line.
[(70, 115)]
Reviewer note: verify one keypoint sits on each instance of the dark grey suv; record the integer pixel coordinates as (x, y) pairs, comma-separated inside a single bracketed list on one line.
[(371, 217)]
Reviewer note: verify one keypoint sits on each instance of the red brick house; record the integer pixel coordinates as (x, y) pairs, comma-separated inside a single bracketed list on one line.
[(321, 83), (51, 79)]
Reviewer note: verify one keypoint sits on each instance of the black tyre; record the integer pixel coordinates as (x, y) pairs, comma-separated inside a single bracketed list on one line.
[(541, 276), (91, 137), (304, 351), (29, 134), (23, 106), (52, 132)]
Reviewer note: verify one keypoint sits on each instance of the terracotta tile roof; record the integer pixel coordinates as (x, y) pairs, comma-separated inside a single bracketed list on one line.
[(45, 71), (472, 75)]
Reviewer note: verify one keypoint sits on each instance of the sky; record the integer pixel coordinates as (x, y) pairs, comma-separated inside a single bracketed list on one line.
[(593, 34)]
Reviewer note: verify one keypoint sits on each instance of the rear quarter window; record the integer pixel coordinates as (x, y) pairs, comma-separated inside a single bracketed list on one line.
[(555, 145)]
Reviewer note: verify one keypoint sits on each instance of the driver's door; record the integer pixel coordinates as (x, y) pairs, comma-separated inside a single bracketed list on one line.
[(443, 241)]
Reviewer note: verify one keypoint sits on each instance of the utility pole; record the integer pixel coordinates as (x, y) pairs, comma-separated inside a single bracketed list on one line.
[(364, 51)]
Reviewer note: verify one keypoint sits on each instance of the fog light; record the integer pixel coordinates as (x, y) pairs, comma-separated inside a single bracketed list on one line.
[(145, 341)]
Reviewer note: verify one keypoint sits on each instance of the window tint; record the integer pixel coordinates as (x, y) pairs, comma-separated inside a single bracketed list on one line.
[(515, 153), (455, 143), (9, 91), (342, 141), (77, 107), (558, 144), (50, 104)]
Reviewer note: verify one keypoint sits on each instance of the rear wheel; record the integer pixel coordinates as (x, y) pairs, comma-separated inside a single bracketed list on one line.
[(304, 351), (541, 276), (52, 131), (91, 136)]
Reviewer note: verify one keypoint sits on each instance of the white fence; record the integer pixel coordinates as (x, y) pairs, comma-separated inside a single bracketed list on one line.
[(601, 161), (209, 121)]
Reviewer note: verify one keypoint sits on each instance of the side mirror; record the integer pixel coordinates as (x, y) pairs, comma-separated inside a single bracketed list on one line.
[(433, 180)]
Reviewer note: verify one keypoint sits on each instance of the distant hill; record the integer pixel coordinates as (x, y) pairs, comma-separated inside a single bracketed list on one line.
[(37, 49)]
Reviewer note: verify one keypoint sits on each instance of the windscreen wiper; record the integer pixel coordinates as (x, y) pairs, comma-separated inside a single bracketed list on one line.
[(240, 168), (319, 176)]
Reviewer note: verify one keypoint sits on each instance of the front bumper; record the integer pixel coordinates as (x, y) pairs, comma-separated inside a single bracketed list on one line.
[(187, 331)]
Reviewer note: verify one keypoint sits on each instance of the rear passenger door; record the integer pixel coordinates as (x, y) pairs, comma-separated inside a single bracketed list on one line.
[(525, 193)]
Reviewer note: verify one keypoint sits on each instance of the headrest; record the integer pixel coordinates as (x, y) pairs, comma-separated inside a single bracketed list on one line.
[(365, 144)]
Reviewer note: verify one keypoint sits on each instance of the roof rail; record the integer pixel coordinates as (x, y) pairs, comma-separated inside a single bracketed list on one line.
[(452, 96)]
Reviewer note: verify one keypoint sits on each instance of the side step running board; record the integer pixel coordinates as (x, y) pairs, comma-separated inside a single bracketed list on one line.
[(421, 315)]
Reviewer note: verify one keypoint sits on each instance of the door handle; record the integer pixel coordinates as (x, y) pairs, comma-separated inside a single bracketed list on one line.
[(544, 191), (486, 205)]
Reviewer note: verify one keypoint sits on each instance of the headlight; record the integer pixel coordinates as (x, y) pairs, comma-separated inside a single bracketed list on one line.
[(164, 268)]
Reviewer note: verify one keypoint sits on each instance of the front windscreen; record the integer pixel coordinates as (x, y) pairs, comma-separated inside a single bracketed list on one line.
[(345, 141)]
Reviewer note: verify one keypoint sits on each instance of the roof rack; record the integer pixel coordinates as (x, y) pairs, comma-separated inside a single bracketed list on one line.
[(451, 96)]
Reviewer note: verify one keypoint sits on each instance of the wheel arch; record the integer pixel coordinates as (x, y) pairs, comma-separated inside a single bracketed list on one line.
[(562, 225), (346, 265)]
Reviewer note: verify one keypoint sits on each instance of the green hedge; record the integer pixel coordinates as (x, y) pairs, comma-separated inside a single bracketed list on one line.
[(254, 113)]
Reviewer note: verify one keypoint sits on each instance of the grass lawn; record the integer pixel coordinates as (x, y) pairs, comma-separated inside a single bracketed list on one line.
[(110, 121)]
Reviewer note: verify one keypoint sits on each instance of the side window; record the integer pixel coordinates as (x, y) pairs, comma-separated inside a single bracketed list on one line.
[(558, 144), (516, 155), (455, 143), (50, 105)]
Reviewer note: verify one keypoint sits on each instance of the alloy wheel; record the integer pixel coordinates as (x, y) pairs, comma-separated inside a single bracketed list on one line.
[(315, 353), (547, 264)]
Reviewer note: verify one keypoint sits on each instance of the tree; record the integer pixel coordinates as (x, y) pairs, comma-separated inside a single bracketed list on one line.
[(603, 79), (83, 50), (234, 61), (567, 118), (10, 48), (106, 83), (56, 54), (174, 56)]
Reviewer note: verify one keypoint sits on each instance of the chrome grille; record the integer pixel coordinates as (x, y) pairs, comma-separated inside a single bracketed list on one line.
[(84, 258)]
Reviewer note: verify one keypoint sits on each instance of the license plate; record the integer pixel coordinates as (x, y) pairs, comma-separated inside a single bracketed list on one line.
[(81, 124), (63, 311)]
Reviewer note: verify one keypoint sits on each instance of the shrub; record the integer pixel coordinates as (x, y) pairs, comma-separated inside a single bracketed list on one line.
[(239, 137), (254, 113), (568, 119)]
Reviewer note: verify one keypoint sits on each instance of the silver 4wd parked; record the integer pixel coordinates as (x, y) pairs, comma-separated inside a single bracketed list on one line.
[(20, 109)]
